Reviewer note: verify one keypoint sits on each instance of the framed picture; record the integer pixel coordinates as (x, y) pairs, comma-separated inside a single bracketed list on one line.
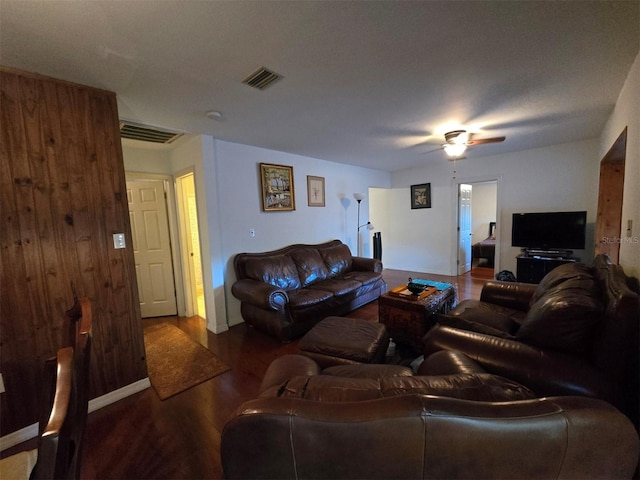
[(277, 187), (421, 195), (315, 191)]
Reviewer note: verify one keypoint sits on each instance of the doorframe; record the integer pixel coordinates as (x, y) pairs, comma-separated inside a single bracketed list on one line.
[(610, 199), (172, 218), (456, 182)]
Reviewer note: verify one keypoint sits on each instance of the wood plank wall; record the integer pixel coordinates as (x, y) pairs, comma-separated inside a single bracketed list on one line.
[(63, 196)]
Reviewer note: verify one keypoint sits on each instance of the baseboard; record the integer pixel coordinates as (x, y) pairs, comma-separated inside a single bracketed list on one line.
[(31, 431), (124, 392)]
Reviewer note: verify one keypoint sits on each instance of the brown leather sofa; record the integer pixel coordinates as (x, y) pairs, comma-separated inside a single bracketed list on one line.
[(285, 292), (382, 422), (576, 333)]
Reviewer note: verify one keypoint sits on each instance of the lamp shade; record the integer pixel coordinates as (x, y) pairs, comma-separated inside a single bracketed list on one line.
[(358, 196)]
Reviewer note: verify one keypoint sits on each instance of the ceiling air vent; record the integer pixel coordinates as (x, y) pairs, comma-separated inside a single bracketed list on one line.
[(262, 78), (145, 133)]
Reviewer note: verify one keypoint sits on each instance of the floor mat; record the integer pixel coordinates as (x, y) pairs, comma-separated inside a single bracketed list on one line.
[(175, 362)]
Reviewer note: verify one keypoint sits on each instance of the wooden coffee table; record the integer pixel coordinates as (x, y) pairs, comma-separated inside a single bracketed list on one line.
[(408, 317)]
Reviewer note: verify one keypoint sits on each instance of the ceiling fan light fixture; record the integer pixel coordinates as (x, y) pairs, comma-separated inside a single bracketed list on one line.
[(458, 137), (455, 149)]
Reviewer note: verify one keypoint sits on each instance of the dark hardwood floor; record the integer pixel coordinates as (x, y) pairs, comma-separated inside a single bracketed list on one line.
[(142, 437)]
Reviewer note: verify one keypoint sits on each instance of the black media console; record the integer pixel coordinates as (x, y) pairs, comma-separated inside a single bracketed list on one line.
[(533, 265)]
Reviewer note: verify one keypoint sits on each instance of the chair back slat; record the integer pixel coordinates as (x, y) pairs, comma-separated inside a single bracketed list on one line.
[(52, 446)]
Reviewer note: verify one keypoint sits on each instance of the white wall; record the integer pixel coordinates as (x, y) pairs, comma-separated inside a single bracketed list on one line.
[(137, 158), (555, 178), (627, 114)]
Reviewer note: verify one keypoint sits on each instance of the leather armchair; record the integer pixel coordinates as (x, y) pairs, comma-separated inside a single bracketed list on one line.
[(576, 333), (347, 427)]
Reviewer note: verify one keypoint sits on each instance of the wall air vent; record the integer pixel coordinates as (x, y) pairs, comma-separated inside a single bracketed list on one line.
[(144, 133), (262, 78)]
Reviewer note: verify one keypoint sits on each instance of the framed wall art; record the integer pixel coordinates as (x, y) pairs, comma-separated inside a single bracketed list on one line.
[(277, 187), (421, 195), (315, 191)]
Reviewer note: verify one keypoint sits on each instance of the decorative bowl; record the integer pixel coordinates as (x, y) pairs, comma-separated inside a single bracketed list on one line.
[(415, 288)]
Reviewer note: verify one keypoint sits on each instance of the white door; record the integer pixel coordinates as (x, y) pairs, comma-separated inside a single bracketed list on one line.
[(152, 248), (464, 228)]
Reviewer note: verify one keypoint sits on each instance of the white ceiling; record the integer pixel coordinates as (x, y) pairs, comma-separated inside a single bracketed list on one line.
[(368, 83)]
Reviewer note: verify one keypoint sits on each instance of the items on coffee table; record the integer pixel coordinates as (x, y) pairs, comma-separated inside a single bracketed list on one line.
[(344, 341), (409, 317)]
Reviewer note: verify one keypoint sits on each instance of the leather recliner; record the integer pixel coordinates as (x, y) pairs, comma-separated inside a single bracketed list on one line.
[(576, 333), (371, 421)]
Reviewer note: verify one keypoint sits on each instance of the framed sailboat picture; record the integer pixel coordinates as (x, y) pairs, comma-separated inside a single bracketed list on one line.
[(277, 187)]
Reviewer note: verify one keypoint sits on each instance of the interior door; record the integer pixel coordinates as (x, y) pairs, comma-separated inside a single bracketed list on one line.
[(464, 228), (152, 248)]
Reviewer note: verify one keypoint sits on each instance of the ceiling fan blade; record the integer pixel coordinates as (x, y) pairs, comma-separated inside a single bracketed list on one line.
[(432, 150), (480, 141)]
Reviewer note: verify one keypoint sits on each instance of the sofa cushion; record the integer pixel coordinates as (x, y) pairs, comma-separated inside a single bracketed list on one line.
[(337, 286), (365, 278), (476, 386), (562, 319), (559, 275), (337, 259), (277, 270), (368, 370), (482, 317), (305, 297), (310, 265)]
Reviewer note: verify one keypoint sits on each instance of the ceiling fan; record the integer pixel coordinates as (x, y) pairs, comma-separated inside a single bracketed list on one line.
[(457, 142)]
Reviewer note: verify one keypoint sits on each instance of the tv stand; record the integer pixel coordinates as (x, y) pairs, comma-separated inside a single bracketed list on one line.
[(533, 265), (540, 253)]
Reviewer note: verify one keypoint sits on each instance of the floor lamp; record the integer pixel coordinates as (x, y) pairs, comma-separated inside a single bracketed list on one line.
[(359, 197)]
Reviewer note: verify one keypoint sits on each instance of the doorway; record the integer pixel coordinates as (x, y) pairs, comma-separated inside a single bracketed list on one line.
[(610, 196), (477, 227), (190, 239)]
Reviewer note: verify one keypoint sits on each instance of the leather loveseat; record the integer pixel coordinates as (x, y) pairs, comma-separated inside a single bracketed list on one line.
[(576, 333), (285, 292), (382, 422)]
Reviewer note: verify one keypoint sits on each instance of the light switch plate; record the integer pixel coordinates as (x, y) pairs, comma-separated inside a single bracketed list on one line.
[(118, 240)]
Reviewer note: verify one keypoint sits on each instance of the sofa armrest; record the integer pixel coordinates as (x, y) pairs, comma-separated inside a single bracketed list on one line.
[(260, 294), (366, 264), (284, 368), (546, 372), (508, 294)]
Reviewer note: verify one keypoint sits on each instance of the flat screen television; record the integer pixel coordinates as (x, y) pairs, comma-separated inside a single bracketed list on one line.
[(549, 230)]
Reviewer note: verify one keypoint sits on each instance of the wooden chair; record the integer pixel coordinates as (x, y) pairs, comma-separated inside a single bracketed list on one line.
[(64, 408), (81, 320), (58, 378)]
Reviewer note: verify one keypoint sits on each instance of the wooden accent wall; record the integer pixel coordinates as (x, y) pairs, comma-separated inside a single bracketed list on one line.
[(63, 196)]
